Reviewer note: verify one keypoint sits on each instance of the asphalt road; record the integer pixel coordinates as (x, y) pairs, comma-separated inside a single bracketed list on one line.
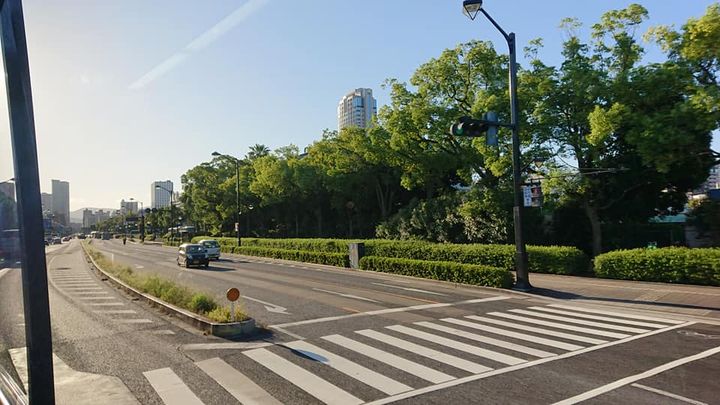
[(343, 337)]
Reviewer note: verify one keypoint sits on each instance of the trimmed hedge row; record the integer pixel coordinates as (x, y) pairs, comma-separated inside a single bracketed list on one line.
[(542, 259), (668, 265), (447, 271), (305, 244), (333, 259)]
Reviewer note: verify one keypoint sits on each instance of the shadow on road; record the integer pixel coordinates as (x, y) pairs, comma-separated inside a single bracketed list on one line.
[(546, 292)]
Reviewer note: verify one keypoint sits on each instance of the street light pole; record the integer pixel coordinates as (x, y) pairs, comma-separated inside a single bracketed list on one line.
[(522, 282)]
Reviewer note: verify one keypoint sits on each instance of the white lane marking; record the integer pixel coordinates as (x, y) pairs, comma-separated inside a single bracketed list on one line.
[(411, 289), (579, 321), (620, 314), (391, 310), (293, 335), (138, 266), (236, 383), (485, 339), (96, 298), (3, 271), (451, 360), (516, 335), (410, 367), (76, 289), (65, 285), (107, 304), (90, 293), (115, 311), (163, 332), (347, 367), (599, 318), (171, 389), (269, 306), (637, 377), (541, 331), (560, 325), (303, 379), (510, 369), (668, 394), (226, 346), (357, 297), (454, 344), (139, 320)]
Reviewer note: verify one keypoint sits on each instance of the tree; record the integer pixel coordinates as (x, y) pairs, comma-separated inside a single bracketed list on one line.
[(257, 151), (637, 139)]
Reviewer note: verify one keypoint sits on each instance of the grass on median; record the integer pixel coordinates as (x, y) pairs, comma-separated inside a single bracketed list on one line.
[(166, 290)]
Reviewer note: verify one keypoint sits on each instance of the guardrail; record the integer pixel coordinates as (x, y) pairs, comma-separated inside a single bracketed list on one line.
[(10, 391)]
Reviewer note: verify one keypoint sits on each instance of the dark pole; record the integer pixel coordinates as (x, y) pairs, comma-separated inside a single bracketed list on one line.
[(237, 198), (172, 217), (522, 275), (38, 334)]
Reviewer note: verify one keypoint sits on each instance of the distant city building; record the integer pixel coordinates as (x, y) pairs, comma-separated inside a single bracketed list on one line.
[(713, 180), (128, 207), (89, 218), (8, 188), (159, 198), (356, 109), (46, 201), (61, 201), (101, 215)]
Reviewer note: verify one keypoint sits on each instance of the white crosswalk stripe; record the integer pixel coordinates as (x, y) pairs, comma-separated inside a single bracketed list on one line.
[(579, 321), (488, 340), (454, 344), (599, 318), (410, 367), (354, 370), (236, 383), (618, 314), (560, 325), (541, 331), (448, 359), (516, 335), (303, 379), (171, 389)]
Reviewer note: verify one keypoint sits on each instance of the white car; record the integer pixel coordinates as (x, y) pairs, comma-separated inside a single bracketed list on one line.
[(213, 248)]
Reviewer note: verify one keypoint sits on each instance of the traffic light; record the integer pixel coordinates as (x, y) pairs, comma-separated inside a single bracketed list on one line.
[(469, 127)]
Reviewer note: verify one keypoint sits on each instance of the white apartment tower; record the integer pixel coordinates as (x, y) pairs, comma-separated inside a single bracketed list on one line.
[(159, 197), (356, 109)]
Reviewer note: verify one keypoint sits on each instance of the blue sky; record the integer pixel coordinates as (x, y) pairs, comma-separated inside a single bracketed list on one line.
[(128, 92)]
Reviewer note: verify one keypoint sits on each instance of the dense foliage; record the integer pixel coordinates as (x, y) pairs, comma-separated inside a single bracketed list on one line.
[(445, 271), (332, 259), (669, 265)]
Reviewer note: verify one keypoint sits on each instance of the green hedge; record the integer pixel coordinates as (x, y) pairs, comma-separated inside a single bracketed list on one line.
[(668, 265), (333, 259), (543, 259), (304, 244), (447, 271)]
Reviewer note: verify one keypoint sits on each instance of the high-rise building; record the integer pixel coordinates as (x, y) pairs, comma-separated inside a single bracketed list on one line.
[(128, 207), (89, 218), (356, 109), (8, 189), (101, 215), (713, 180), (159, 196), (61, 201), (46, 201)]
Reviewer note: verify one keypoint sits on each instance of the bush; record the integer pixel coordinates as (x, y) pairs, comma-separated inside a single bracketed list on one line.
[(447, 271), (202, 303), (304, 244), (332, 259), (222, 314), (543, 259), (668, 265)]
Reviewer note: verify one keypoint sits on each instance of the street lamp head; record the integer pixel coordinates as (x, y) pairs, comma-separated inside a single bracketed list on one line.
[(216, 154), (471, 8)]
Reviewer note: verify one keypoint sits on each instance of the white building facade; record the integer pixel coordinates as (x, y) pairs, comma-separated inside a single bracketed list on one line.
[(159, 197), (356, 109)]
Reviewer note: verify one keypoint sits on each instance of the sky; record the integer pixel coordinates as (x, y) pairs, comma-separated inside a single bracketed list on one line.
[(130, 92)]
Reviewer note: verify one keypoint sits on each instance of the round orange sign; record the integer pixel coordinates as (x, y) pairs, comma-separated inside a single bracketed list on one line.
[(233, 294)]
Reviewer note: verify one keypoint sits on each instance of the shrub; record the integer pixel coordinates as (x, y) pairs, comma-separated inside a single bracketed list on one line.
[(333, 259), (202, 303), (668, 265), (222, 314), (304, 244), (446, 271), (542, 259)]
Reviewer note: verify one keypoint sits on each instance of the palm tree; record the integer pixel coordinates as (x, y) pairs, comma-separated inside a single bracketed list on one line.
[(257, 151)]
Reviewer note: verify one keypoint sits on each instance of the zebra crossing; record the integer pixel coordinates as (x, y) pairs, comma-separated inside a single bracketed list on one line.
[(374, 364)]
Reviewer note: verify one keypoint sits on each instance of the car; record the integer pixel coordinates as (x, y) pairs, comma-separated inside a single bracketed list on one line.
[(192, 254), (47, 243), (56, 240), (213, 248), (65, 239)]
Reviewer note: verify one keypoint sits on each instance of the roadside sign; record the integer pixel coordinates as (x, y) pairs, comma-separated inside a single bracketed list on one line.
[(237, 226), (527, 196), (232, 294)]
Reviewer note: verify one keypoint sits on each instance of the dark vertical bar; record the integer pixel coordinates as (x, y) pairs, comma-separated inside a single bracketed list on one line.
[(34, 273)]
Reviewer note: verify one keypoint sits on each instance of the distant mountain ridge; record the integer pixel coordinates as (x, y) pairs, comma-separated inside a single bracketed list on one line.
[(77, 215)]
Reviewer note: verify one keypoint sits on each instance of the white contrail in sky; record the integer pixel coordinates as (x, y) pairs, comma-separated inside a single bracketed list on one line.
[(201, 42)]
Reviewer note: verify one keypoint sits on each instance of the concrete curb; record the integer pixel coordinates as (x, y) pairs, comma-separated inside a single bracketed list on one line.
[(225, 330)]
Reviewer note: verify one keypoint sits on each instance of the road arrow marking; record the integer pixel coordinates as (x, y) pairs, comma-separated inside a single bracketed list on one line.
[(269, 306), (137, 266), (410, 289), (346, 295)]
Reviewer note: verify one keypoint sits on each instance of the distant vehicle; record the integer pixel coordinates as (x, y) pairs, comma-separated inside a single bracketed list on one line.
[(56, 240), (81, 236), (47, 243), (65, 239), (213, 248), (192, 254), (106, 236)]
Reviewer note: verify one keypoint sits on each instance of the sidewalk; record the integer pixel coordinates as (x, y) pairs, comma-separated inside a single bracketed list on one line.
[(677, 298)]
